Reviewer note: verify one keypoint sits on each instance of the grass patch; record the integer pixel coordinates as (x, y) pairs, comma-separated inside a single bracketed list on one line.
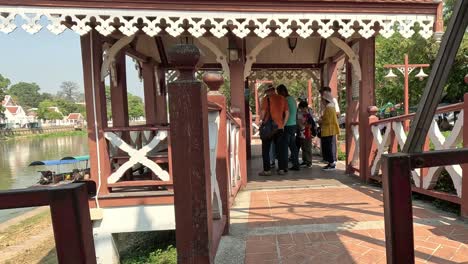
[(149, 248), (23, 230), (46, 135), (341, 154)]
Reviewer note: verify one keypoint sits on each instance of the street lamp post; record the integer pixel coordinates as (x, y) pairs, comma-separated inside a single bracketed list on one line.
[(406, 69)]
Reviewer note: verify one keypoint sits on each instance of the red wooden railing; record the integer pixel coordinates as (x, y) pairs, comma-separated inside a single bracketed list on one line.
[(70, 217), (389, 136)]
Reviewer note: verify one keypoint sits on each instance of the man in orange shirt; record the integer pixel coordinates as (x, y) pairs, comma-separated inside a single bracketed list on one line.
[(275, 107)]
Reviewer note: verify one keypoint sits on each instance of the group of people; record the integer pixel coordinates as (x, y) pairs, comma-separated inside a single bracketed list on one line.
[(295, 126)]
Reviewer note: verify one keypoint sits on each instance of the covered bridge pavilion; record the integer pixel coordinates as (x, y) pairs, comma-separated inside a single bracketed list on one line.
[(185, 166)]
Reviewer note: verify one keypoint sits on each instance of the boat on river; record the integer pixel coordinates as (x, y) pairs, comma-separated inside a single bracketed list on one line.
[(49, 176)]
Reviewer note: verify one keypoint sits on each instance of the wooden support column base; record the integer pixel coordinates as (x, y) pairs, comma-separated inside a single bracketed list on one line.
[(190, 159), (398, 210)]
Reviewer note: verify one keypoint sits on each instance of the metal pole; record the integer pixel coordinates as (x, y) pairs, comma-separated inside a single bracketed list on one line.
[(309, 92), (406, 92)]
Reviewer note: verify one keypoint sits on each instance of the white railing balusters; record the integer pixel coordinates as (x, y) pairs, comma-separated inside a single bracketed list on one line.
[(435, 136), (213, 128), (382, 143)]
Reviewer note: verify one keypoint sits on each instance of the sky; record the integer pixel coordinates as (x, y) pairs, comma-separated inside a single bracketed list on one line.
[(48, 60)]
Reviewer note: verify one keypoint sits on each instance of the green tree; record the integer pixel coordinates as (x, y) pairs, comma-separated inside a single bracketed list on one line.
[(392, 50), (69, 91), (44, 112), (67, 107), (26, 94), (4, 83), (135, 106), (46, 96)]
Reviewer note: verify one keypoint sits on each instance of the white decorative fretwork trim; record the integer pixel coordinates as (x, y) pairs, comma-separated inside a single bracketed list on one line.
[(243, 23), (282, 75)]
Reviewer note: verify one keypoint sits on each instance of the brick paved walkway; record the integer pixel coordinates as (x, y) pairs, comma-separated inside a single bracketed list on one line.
[(316, 217)]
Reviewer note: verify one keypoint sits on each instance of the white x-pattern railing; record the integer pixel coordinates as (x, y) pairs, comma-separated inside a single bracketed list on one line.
[(136, 155), (440, 142), (233, 131), (213, 130)]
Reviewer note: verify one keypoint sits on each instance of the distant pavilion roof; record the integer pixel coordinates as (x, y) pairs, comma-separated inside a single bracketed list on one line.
[(344, 18)]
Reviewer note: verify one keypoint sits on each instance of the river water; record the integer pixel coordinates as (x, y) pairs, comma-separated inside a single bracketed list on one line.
[(16, 155)]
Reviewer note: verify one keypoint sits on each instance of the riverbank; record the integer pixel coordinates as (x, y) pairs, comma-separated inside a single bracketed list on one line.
[(28, 238), (45, 135)]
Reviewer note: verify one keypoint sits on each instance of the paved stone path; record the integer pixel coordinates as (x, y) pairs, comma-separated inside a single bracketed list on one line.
[(316, 217)]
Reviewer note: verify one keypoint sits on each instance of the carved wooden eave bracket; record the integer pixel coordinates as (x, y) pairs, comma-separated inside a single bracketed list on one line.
[(283, 75), (218, 24)]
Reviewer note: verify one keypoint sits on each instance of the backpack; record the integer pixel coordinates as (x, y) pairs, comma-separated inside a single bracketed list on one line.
[(311, 122)]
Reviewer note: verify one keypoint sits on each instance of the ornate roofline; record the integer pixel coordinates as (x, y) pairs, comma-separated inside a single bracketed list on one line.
[(217, 23)]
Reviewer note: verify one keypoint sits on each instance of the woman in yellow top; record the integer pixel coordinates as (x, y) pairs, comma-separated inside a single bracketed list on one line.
[(329, 128)]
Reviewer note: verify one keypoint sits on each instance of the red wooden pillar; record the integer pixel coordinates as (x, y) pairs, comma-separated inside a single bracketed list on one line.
[(464, 197), (309, 92), (333, 77), (439, 23), (351, 117), (118, 93), (257, 103), (398, 209), (149, 86), (366, 99), (248, 123), (372, 112), (322, 75), (161, 100), (190, 156), (236, 69), (96, 114), (214, 81)]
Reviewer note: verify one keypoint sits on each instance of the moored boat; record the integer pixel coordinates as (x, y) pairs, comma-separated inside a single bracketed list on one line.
[(56, 177)]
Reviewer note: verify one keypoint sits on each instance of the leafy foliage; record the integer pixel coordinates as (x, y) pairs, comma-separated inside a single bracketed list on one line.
[(44, 111), (4, 83), (168, 256), (153, 247), (67, 107), (392, 50), (135, 105), (26, 94)]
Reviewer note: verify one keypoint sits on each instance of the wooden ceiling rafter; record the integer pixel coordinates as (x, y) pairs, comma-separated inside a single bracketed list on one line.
[(323, 46), (162, 51)]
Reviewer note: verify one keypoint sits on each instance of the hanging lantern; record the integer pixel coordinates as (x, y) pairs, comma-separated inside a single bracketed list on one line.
[(466, 78), (390, 75), (421, 75), (233, 50)]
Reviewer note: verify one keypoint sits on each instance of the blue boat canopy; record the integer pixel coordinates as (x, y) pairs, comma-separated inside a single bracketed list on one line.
[(65, 160), (78, 158)]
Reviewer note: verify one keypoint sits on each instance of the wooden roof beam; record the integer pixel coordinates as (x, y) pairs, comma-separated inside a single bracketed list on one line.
[(162, 51), (137, 55), (323, 46)]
